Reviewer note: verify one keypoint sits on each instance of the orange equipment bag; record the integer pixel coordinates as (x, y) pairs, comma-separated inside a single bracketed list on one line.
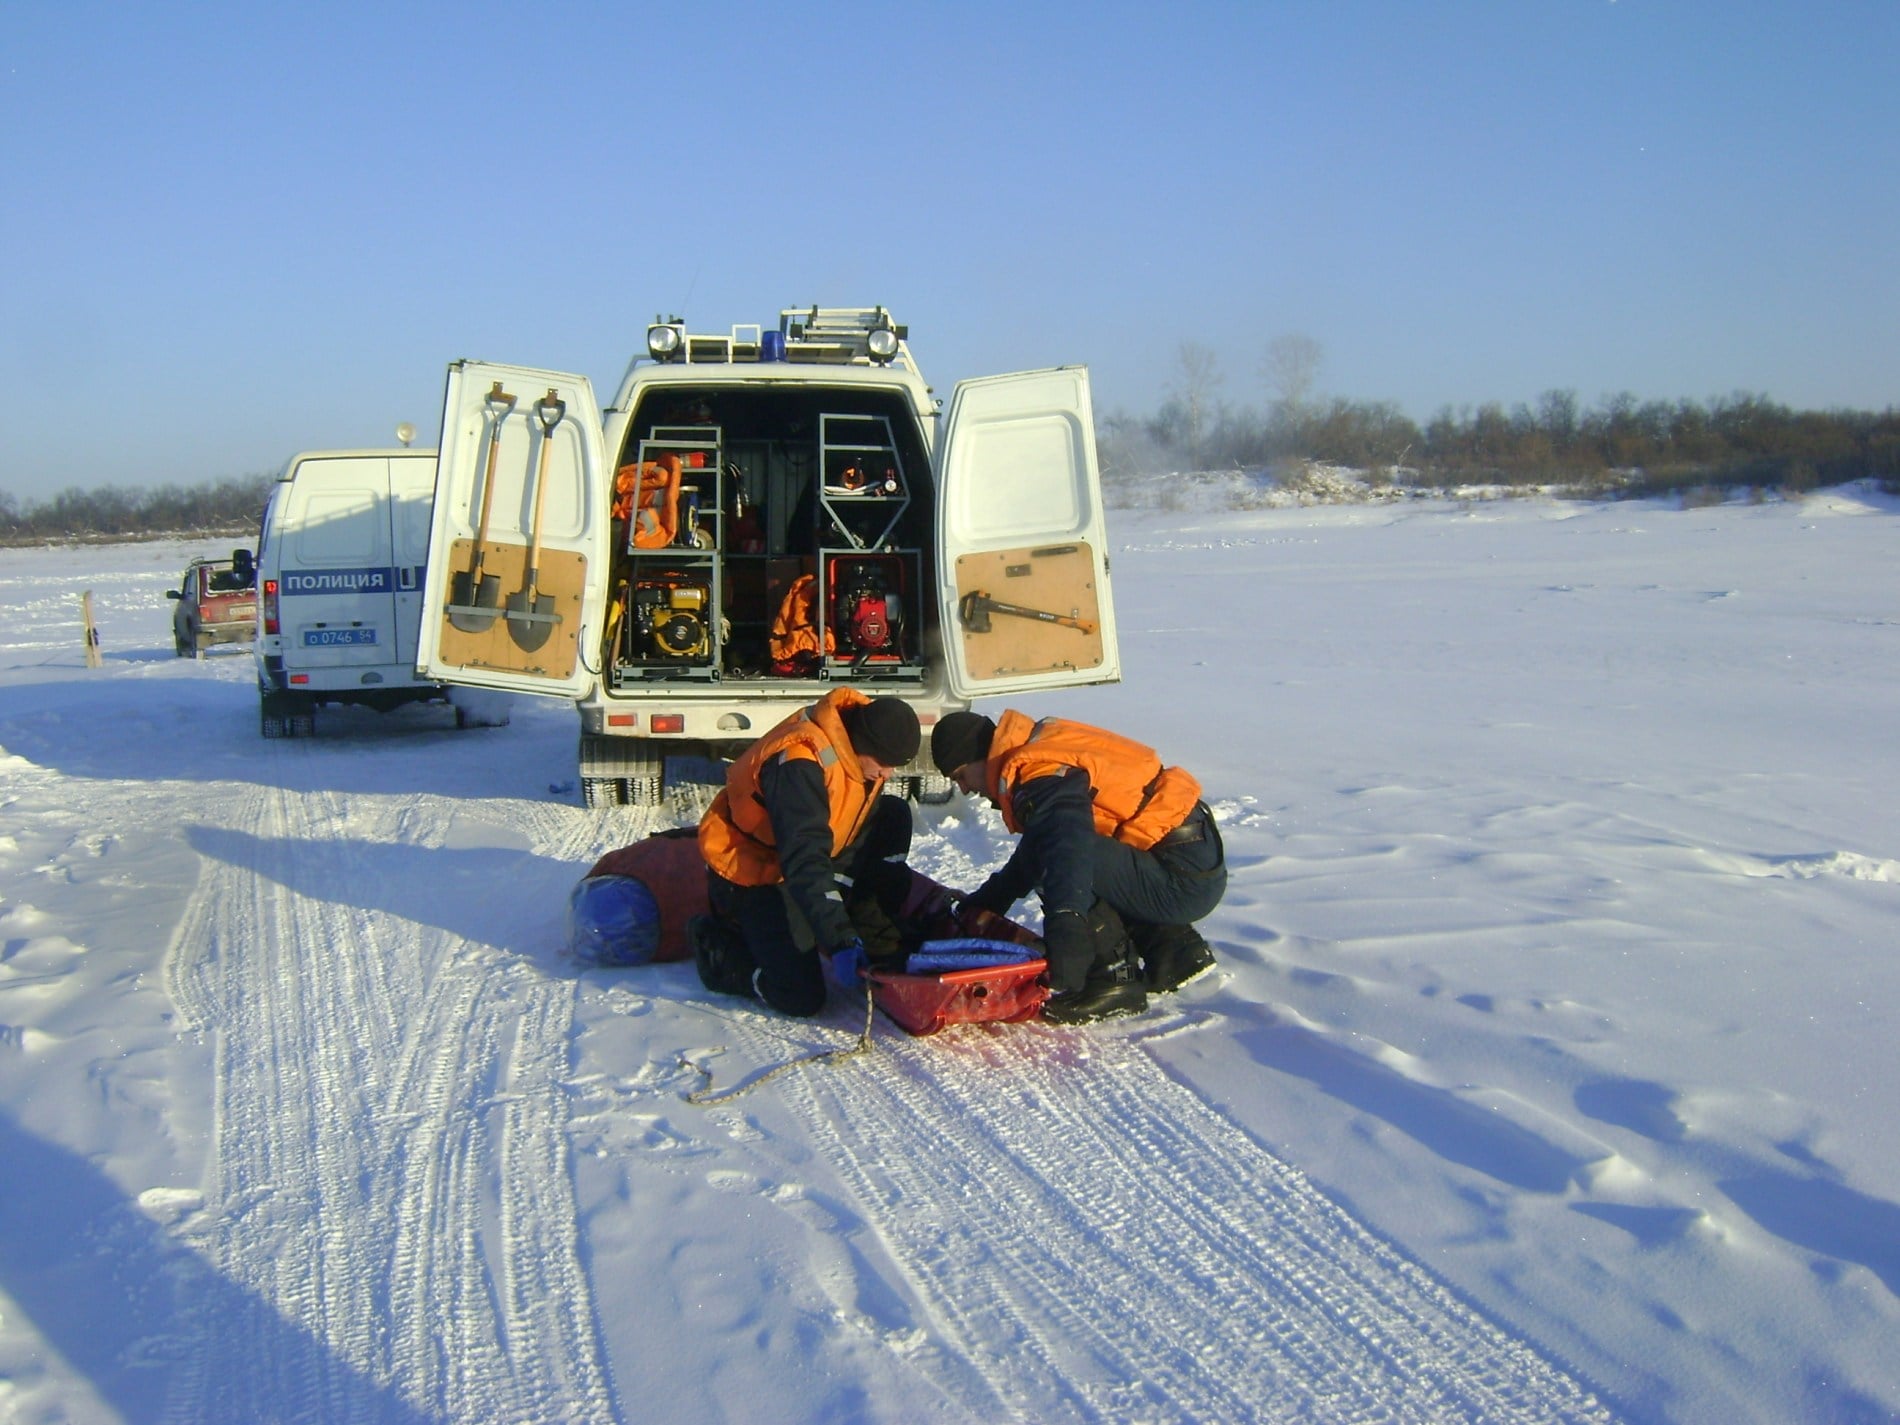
[(794, 644), (648, 495)]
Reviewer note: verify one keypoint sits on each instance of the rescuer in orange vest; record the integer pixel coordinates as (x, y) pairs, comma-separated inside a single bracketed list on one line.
[(1123, 850), (802, 810)]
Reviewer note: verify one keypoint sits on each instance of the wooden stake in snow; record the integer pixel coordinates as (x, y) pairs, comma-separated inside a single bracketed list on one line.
[(92, 630)]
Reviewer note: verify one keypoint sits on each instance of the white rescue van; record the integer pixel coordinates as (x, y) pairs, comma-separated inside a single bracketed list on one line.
[(757, 517), (340, 561)]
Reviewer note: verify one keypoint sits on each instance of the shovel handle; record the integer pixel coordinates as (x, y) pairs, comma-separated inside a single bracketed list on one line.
[(548, 410), (499, 404)]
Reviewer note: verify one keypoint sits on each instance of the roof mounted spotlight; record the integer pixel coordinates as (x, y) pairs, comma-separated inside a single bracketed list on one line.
[(883, 338), (666, 340)]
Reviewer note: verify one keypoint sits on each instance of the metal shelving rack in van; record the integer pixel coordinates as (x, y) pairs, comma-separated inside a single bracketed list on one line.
[(866, 583), (670, 605)]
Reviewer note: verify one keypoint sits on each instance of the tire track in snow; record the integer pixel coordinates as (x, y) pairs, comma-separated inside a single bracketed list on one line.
[(1093, 1242), (390, 1168)]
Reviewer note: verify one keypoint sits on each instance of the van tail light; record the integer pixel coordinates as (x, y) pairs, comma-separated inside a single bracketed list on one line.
[(205, 613), (667, 722), (270, 606)]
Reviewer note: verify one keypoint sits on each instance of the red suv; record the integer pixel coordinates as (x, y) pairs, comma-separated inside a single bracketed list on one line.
[(216, 603)]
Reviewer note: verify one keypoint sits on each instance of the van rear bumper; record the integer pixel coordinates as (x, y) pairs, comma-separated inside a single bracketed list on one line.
[(375, 683)]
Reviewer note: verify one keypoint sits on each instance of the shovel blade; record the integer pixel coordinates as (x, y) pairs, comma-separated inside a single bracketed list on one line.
[(474, 603), (531, 618)]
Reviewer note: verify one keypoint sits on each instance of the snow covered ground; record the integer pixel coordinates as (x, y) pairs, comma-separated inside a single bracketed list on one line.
[(1549, 1074)]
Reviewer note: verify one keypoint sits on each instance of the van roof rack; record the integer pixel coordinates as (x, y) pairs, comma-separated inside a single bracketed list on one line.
[(860, 336)]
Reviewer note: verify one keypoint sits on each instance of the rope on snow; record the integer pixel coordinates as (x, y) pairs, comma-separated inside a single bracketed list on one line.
[(704, 1097)]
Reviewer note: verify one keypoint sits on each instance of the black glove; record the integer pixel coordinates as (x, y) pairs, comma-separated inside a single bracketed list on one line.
[(991, 896)]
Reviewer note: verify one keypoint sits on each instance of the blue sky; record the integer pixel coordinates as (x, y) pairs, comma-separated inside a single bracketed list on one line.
[(230, 232)]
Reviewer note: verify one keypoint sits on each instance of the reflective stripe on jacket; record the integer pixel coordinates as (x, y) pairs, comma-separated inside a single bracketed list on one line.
[(1137, 801), (735, 835)]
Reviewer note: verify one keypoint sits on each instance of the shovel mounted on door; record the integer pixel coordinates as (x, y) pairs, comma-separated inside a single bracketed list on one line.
[(475, 597), (531, 616), (975, 610)]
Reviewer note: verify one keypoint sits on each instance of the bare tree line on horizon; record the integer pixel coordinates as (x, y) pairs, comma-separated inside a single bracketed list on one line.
[(230, 506), (1621, 445)]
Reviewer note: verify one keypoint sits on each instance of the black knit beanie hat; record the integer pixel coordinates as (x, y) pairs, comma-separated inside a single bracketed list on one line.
[(884, 728), (961, 738)]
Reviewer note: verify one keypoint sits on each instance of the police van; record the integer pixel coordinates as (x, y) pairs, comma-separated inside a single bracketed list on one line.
[(340, 561), (759, 515)]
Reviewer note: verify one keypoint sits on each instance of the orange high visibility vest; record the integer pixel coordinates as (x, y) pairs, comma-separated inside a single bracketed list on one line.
[(735, 835), (1137, 800)]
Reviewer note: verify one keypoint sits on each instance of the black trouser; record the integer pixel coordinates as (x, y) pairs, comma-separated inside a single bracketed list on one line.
[(783, 950), (1174, 882)]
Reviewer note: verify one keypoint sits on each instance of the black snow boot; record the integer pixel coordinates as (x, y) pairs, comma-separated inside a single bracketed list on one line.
[(1114, 985), (720, 955), (1171, 955)]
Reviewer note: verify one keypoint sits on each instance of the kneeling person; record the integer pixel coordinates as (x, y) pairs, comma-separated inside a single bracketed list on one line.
[(801, 809)]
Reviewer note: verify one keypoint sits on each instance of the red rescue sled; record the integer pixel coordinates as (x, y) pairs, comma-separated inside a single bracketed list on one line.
[(990, 994)]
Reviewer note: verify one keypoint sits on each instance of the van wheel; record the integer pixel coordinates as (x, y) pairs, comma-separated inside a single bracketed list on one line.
[(466, 718), (286, 715), (622, 771), (929, 788)]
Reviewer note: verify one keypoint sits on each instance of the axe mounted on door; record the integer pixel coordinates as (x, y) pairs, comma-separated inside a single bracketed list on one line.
[(975, 609)]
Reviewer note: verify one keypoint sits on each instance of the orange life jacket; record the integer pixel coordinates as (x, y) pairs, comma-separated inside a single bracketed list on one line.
[(649, 495), (794, 640), (735, 835), (673, 870), (1137, 800)]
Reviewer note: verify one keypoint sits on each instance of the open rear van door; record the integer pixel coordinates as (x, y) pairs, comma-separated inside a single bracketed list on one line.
[(1022, 557), (411, 487), (516, 583)]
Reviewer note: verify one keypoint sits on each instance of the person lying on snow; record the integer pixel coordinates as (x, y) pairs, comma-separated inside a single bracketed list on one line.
[(633, 905), (1125, 854), (801, 812)]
